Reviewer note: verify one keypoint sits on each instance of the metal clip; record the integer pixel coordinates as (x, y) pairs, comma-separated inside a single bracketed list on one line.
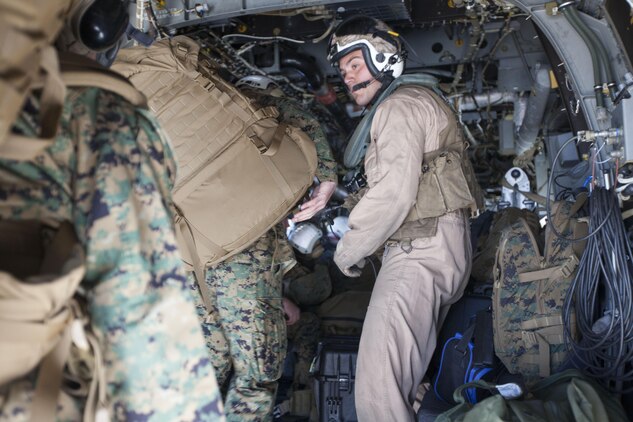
[(405, 245), (261, 146)]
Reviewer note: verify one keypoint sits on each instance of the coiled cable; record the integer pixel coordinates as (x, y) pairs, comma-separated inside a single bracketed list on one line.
[(600, 298)]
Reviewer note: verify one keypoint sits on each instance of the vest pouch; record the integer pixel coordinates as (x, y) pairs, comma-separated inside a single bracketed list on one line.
[(443, 187)]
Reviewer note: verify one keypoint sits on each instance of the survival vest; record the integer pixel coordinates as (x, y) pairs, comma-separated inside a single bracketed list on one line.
[(447, 182), (529, 291), (239, 170)]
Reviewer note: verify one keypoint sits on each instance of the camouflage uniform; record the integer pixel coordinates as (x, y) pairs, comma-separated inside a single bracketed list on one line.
[(246, 330), (110, 173), (305, 337)]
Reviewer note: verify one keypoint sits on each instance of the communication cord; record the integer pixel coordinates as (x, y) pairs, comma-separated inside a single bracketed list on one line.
[(600, 299)]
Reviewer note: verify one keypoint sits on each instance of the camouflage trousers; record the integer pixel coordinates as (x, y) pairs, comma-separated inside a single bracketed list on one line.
[(245, 330), (304, 336)]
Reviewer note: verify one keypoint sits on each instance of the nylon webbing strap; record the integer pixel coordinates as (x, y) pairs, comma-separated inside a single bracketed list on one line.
[(280, 180), (543, 338), (539, 199), (564, 270), (96, 402), (275, 142), (23, 148), (49, 380), (545, 274), (52, 100), (186, 235), (536, 323), (266, 112), (94, 79)]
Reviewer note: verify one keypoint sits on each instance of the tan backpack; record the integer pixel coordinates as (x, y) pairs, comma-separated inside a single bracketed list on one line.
[(37, 284), (27, 30), (239, 170)]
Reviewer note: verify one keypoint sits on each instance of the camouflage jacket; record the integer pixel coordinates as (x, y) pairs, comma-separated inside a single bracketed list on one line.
[(109, 172)]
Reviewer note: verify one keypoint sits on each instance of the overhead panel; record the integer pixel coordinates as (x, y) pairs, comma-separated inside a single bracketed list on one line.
[(174, 14)]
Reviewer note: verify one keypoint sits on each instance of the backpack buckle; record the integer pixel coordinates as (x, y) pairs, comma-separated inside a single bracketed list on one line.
[(259, 144), (569, 266)]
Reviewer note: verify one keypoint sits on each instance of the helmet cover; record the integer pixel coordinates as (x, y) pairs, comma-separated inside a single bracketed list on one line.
[(380, 46)]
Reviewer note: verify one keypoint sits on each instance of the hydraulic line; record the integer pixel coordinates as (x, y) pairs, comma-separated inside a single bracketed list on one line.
[(609, 77), (566, 8)]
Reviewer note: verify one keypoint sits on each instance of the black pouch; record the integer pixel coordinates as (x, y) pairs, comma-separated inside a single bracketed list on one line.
[(467, 357)]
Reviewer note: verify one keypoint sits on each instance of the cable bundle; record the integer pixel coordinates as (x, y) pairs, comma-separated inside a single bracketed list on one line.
[(601, 297)]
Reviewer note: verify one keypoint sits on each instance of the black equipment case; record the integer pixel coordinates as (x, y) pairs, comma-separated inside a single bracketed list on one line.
[(333, 369)]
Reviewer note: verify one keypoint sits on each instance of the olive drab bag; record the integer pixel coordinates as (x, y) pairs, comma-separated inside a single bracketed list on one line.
[(343, 314), (239, 170), (529, 290), (568, 396)]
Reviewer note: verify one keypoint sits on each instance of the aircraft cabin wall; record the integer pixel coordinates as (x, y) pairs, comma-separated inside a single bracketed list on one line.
[(491, 58)]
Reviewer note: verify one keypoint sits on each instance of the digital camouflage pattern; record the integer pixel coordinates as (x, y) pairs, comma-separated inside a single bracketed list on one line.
[(246, 330), (109, 172), (304, 335), (528, 294), (484, 257)]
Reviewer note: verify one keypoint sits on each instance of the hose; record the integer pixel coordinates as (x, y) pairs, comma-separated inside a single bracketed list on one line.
[(602, 68), (609, 75)]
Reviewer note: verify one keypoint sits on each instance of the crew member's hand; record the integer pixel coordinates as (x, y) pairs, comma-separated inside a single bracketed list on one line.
[(320, 197), (291, 311), (355, 270)]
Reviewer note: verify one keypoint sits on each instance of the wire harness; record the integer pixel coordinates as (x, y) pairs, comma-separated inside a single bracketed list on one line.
[(600, 299)]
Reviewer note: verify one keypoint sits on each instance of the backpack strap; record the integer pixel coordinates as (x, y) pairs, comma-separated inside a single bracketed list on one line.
[(81, 72), (77, 72), (185, 237), (564, 270), (18, 147), (539, 199), (49, 379)]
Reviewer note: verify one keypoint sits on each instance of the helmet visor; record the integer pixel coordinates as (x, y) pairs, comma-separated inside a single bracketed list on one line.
[(102, 24)]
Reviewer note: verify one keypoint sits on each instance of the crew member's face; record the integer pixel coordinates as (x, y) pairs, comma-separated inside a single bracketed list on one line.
[(355, 71)]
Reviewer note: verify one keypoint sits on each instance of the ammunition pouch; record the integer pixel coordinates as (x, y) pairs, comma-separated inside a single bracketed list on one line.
[(447, 184)]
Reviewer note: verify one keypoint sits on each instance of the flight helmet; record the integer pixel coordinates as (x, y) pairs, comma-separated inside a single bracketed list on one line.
[(380, 46)]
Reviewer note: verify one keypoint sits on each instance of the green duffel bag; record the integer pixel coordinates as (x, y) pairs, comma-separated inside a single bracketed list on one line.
[(565, 397)]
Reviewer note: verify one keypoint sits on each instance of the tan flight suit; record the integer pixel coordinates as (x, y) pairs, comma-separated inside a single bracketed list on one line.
[(427, 260)]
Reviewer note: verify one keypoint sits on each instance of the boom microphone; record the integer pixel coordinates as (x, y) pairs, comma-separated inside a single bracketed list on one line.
[(362, 85), (366, 83)]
